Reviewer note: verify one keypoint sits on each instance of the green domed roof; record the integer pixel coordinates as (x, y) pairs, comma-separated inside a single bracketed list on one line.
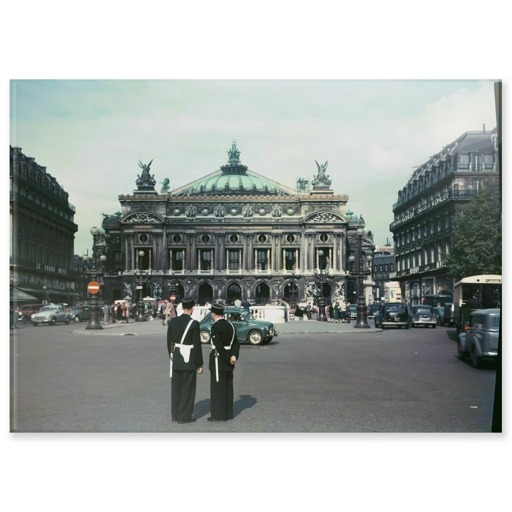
[(234, 179)]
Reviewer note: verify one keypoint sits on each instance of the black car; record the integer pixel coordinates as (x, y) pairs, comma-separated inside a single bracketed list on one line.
[(393, 314)]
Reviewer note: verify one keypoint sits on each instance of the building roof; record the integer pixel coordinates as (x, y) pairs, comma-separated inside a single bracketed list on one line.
[(234, 178), (469, 142)]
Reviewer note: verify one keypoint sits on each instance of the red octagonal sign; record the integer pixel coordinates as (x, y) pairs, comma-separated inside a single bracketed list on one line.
[(93, 287)]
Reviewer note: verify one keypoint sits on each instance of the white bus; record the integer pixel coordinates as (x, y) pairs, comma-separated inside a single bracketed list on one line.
[(475, 292)]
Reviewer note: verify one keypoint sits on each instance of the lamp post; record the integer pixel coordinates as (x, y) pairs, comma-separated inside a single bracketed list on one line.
[(140, 278), (93, 286), (359, 274), (319, 281)]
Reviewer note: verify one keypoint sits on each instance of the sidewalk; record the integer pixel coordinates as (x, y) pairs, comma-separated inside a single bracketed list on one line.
[(155, 327)]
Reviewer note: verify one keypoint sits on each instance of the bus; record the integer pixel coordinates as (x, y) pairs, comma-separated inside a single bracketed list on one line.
[(475, 292), (392, 292)]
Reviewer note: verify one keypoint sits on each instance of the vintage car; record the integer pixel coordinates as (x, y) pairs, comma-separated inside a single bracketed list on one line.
[(352, 309), (480, 339), (423, 316), (248, 329), (79, 313), (50, 315), (393, 314), (25, 312), (373, 309)]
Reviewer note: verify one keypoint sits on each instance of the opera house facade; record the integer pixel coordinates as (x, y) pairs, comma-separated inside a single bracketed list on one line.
[(233, 234)]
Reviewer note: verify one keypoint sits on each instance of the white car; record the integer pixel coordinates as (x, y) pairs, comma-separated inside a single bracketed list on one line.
[(50, 315)]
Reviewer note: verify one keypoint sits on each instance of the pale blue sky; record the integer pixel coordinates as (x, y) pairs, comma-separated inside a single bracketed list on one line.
[(91, 134)]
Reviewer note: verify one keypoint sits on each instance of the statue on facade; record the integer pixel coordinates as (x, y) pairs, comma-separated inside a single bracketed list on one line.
[(302, 185), (145, 181), (165, 186), (234, 154), (321, 180)]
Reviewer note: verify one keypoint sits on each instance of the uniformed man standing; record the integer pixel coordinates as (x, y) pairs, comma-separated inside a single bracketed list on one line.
[(185, 353), (224, 354)]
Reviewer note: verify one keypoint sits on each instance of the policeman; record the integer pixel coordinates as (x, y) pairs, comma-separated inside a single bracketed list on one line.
[(185, 353), (224, 354)]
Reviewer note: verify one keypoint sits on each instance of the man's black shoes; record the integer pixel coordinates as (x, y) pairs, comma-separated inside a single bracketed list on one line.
[(190, 420), (213, 419)]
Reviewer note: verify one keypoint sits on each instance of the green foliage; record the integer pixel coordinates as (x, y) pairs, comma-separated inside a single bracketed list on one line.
[(476, 247)]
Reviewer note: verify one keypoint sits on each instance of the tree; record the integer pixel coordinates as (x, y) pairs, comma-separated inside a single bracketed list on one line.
[(476, 247)]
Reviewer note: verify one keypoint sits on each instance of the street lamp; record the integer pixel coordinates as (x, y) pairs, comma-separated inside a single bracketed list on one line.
[(140, 278), (319, 282), (93, 286), (294, 289), (359, 274)]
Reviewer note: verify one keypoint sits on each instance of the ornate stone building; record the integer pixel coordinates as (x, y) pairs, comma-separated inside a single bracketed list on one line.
[(42, 233), (233, 234), (426, 207)]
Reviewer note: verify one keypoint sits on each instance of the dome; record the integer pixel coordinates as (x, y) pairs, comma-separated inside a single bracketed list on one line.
[(234, 179)]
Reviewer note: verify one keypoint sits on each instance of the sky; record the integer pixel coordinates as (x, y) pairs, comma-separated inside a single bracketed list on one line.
[(91, 134), (373, 87)]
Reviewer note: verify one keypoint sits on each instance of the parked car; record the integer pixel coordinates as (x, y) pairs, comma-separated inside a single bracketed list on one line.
[(444, 314), (393, 314), (79, 313), (353, 311), (25, 311), (247, 328), (480, 340), (50, 315), (373, 308), (423, 316)]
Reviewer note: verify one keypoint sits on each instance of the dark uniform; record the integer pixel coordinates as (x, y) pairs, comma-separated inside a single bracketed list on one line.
[(184, 376), (222, 392)]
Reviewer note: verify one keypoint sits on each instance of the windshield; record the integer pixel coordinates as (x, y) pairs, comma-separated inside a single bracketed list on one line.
[(397, 308)]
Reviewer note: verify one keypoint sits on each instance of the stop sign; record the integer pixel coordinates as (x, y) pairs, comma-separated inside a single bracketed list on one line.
[(93, 287)]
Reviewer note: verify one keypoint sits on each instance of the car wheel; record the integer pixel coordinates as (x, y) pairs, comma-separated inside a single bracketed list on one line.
[(77, 318), (205, 337), (52, 321), (476, 360), (460, 353), (67, 321), (434, 326), (34, 324), (255, 338)]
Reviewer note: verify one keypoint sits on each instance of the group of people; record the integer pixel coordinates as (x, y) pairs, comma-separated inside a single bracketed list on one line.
[(186, 362), (167, 312), (117, 312), (338, 312)]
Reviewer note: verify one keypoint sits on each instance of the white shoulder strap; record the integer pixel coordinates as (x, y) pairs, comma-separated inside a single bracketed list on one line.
[(186, 330)]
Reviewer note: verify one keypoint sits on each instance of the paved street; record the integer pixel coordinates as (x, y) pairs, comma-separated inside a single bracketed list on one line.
[(314, 377)]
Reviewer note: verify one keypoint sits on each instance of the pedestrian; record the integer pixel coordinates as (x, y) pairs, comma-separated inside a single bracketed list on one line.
[(186, 361), (170, 312), (119, 313), (106, 314), (224, 355), (336, 310)]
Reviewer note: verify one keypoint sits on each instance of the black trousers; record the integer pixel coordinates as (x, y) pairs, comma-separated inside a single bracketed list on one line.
[(183, 394), (221, 396)]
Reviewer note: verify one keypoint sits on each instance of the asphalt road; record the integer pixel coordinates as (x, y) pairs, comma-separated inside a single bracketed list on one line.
[(314, 377)]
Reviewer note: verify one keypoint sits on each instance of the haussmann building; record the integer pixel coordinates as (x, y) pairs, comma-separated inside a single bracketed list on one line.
[(426, 209)]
